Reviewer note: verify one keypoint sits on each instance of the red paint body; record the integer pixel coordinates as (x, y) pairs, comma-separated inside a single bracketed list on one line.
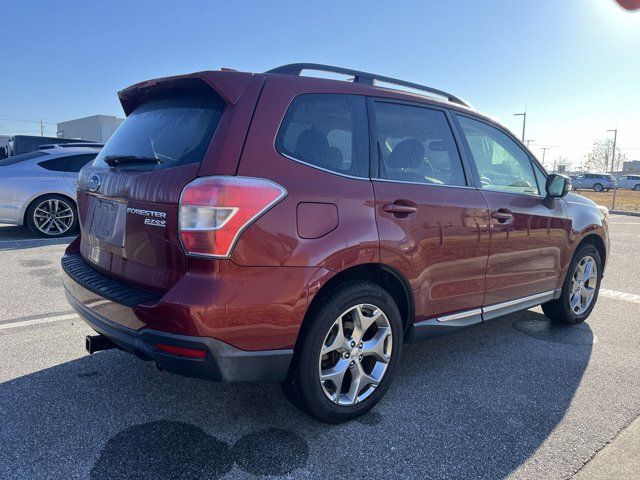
[(451, 255)]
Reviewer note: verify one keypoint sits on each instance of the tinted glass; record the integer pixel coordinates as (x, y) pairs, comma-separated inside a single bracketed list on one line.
[(70, 163), (21, 158), (541, 177), (503, 166), (175, 130), (415, 144), (327, 131)]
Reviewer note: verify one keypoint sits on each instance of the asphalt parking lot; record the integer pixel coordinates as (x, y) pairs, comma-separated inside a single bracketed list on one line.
[(515, 397)]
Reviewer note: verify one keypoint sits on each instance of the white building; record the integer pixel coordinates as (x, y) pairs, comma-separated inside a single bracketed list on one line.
[(96, 128)]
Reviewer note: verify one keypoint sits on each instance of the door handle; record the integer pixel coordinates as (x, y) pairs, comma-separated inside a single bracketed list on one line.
[(503, 216), (398, 210)]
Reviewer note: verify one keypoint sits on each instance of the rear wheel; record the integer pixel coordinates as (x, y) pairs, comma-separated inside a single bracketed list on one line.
[(52, 216), (580, 289), (347, 354), (637, 188), (597, 187)]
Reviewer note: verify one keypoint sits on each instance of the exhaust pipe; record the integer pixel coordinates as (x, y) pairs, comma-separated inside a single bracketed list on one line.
[(96, 343)]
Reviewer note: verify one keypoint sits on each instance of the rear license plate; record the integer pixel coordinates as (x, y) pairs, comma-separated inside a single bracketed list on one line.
[(107, 222)]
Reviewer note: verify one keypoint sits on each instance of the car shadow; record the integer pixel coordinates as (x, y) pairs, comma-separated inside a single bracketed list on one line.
[(475, 404), (17, 238)]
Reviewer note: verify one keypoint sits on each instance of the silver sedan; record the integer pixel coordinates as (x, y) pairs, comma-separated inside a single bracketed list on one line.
[(38, 189)]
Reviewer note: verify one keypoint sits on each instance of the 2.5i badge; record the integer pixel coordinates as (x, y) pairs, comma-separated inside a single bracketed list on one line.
[(152, 217)]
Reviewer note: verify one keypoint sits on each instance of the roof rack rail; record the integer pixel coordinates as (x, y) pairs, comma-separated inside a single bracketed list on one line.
[(363, 77)]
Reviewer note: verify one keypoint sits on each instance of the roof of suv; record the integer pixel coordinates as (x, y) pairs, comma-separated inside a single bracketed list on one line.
[(230, 84)]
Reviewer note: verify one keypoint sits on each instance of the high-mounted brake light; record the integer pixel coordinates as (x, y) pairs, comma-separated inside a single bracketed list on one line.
[(214, 211)]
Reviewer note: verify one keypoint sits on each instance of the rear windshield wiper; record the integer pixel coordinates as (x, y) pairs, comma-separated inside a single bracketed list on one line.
[(115, 160)]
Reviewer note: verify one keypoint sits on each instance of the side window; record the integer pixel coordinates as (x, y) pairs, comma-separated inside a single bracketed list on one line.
[(415, 144), (71, 163), (78, 161), (503, 166), (327, 131)]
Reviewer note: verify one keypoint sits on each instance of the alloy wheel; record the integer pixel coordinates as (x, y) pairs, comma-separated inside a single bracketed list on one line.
[(355, 354), (583, 285), (53, 216)]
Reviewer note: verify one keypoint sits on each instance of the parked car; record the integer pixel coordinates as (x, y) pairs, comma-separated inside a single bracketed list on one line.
[(597, 181), (631, 182), (278, 227), (19, 144), (38, 189)]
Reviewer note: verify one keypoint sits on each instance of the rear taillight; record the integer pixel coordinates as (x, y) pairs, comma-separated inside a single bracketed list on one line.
[(214, 211)]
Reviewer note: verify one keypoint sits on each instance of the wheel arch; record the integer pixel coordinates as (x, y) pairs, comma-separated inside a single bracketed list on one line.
[(597, 241), (386, 277), (42, 195)]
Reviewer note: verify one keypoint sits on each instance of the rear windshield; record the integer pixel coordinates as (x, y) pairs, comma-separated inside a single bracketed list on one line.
[(21, 158), (174, 130)]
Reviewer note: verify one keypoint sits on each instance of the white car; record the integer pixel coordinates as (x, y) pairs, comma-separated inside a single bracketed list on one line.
[(631, 182), (38, 188)]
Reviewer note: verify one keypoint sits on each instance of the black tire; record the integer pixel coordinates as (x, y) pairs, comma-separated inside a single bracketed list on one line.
[(597, 187), (560, 310), (637, 188), (303, 387), (55, 232)]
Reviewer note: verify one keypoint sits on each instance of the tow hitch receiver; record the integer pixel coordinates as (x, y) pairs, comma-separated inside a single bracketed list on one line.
[(96, 343)]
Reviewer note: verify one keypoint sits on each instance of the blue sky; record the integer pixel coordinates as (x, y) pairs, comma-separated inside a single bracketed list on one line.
[(574, 63)]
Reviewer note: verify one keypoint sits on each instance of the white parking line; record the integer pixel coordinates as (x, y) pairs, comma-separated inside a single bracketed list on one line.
[(37, 321), (627, 297)]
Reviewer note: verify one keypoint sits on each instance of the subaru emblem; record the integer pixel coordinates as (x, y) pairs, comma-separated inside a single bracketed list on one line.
[(94, 182)]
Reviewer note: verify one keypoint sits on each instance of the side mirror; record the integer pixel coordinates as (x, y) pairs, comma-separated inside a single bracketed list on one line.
[(557, 186)]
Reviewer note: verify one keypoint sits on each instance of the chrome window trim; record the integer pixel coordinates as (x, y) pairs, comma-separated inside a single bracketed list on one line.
[(468, 187), (297, 160)]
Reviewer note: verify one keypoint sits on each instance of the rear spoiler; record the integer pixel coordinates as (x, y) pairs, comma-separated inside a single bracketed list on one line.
[(230, 85)]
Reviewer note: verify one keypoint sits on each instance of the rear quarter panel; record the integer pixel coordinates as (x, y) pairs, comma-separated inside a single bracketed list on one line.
[(274, 239), (22, 183)]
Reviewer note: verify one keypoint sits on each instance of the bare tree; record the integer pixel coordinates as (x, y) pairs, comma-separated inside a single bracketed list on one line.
[(599, 158)]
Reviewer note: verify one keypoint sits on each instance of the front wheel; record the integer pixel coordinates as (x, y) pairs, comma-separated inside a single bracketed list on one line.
[(637, 188), (347, 354), (597, 187), (580, 289)]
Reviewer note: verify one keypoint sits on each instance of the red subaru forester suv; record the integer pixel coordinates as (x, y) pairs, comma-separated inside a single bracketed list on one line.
[(279, 227)]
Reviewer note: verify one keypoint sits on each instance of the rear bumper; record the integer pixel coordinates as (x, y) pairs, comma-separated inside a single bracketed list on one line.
[(222, 361)]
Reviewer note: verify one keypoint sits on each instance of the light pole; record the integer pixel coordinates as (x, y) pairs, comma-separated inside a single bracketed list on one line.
[(544, 152), (613, 162), (613, 157), (528, 142), (524, 120)]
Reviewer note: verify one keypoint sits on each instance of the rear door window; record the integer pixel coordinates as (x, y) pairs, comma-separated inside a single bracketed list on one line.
[(415, 144), (69, 163), (174, 130), (327, 131), (503, 166)]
